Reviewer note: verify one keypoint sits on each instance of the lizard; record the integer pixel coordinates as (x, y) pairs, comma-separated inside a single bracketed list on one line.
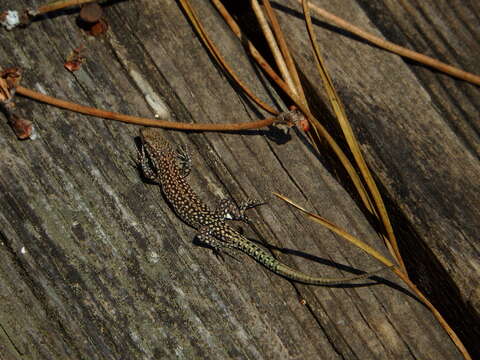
[(160, 162)]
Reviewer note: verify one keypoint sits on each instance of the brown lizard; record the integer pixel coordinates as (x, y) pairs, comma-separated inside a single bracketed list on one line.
[(158, 162)]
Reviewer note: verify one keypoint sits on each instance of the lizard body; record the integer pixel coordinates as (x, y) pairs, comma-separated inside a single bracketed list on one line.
[(158, 161)]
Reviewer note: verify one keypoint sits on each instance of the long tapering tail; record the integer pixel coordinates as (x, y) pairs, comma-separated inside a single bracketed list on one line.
[(296, 275), (279, 268)]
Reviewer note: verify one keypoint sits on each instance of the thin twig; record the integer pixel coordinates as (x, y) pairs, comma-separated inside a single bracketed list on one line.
[(57, 5), (139, 120)]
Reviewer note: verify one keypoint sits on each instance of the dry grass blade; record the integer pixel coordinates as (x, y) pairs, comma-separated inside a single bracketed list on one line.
[(380, 207), (285, 51), (274, 48), (216, 53), (352, 142), (319, 128), (331, 226), (368, 249), (397, 49)]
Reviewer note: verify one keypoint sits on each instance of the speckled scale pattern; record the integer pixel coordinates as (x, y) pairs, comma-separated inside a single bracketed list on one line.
[(158, 161), (178, 192)]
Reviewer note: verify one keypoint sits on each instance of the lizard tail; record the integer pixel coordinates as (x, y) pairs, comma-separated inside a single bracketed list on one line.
[(281, 269), (292, 274)]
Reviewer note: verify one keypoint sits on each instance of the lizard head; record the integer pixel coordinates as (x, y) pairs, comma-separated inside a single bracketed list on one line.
[(154, 140)]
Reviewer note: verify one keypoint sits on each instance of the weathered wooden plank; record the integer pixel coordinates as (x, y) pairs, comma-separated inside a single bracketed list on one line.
[(419, 132), (95, 265)]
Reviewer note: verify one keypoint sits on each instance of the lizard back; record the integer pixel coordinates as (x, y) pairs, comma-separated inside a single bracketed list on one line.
[(179, 193)]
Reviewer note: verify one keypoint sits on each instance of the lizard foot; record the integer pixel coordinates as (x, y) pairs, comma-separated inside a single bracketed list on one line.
[(146, 164), (185, 160)]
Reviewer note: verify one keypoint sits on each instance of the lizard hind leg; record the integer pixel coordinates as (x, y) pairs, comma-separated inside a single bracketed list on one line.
[(205, 237)]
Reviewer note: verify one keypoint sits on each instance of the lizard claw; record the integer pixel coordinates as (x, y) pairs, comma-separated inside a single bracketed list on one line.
[(251, 203)]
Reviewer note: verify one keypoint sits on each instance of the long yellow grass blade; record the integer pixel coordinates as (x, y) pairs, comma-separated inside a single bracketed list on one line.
[(336, 229)]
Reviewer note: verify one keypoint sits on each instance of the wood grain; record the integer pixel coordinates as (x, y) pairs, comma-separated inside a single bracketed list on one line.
[(94, 264)]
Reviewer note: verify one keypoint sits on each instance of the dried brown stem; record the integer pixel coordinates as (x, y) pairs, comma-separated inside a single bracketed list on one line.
[(274, 48), (57, 5), (216, 53), (380, 206), (402, 275), (139, 120), (284, 49)]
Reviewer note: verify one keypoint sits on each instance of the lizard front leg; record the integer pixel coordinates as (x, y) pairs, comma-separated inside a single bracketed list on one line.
[(228, 210), (185, 160), (148, 165)]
